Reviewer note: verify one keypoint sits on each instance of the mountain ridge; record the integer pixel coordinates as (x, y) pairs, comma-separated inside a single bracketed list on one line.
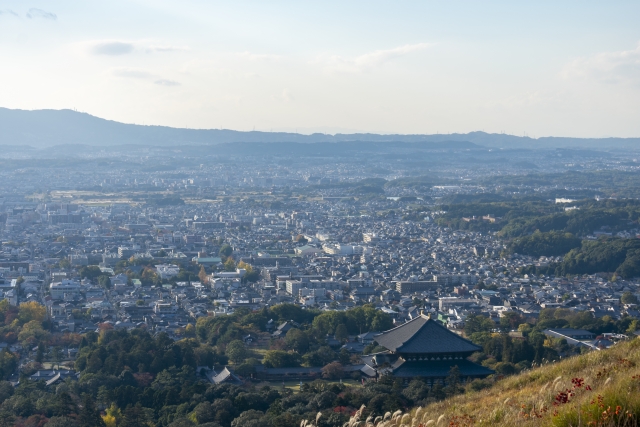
[(47, 128)]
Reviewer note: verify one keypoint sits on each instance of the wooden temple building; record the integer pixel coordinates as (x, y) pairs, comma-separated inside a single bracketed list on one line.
[(424, 348)]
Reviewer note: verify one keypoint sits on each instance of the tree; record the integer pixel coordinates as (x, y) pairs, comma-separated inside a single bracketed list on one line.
[(320, 357), (479, 323), (453, 386), (510, 320), (112, 416), (250, 418), (344, 356), (57, 355), (90, 272), (204, 413), (250, 274), (40, 353), (202, 275), (134, 416), (225, 251), (342, 333), (61, 422), (236, 351), (230, 265), (280, 359), (245, 370), (333, 371), (89, 416), (381, 322), (104, 281), (31, 311), (297, 340), (32, 333), (629, 298)]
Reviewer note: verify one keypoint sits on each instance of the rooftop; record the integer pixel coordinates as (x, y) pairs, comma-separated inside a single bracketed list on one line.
[(424, 335)]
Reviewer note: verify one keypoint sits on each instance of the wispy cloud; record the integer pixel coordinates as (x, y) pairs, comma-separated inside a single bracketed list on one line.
[(368, 61), (9, 12), (111, 48), (607, 67), (142, 74), (164, 82), (39, 13), (124, 47)]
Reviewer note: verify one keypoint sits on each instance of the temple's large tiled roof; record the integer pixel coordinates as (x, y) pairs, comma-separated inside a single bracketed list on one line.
[(440, 369), (424, 335)]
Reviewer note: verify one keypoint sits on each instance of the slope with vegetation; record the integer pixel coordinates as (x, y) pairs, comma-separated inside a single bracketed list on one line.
[(601, 388)]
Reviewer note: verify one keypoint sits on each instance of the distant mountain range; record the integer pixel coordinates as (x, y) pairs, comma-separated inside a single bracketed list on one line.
[(46, 128)]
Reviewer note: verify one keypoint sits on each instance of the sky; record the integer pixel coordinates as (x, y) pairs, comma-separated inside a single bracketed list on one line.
[(543, 68)]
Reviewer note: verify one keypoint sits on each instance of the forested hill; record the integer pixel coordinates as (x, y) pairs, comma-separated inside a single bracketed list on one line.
[(46, 128)]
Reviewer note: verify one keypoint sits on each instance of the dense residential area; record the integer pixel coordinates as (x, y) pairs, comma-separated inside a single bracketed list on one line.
[(139, 289), (137, 308)]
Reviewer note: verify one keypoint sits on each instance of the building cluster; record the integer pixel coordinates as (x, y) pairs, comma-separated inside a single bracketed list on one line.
[(163, 267)]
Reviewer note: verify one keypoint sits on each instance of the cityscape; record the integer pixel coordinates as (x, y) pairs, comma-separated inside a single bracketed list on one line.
[(357, 214)]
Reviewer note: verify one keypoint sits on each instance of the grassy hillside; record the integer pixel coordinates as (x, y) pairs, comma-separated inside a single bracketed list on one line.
[(601, 388)]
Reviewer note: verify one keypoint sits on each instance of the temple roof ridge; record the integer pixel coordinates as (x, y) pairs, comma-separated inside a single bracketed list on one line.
[(424, 335)]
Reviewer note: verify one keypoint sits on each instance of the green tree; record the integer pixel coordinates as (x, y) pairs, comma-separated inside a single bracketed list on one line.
[(104, 281), (474, 324), (89, 416), (134, 416), (280, 359), (61, 422), (236, 351), (344, 356), (225, 251), (40, 353), (629, 298), (297, 340), (56, 354), (230, 265), (342, 333), (510, 320), (453, 385), (90, 272)]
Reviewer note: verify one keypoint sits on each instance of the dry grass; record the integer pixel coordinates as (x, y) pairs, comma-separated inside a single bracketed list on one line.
[(601, 388)]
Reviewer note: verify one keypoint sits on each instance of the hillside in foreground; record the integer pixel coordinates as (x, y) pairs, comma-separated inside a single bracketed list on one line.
[(601, 388)]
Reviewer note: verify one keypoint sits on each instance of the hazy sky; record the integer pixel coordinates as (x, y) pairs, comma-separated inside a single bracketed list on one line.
[(566, 68)]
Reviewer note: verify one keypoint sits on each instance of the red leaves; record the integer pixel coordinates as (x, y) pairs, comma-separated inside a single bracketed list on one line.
[(566, 395)]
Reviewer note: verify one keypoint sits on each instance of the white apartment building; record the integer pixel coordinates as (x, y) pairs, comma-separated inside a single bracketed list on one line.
[(66, 287)]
